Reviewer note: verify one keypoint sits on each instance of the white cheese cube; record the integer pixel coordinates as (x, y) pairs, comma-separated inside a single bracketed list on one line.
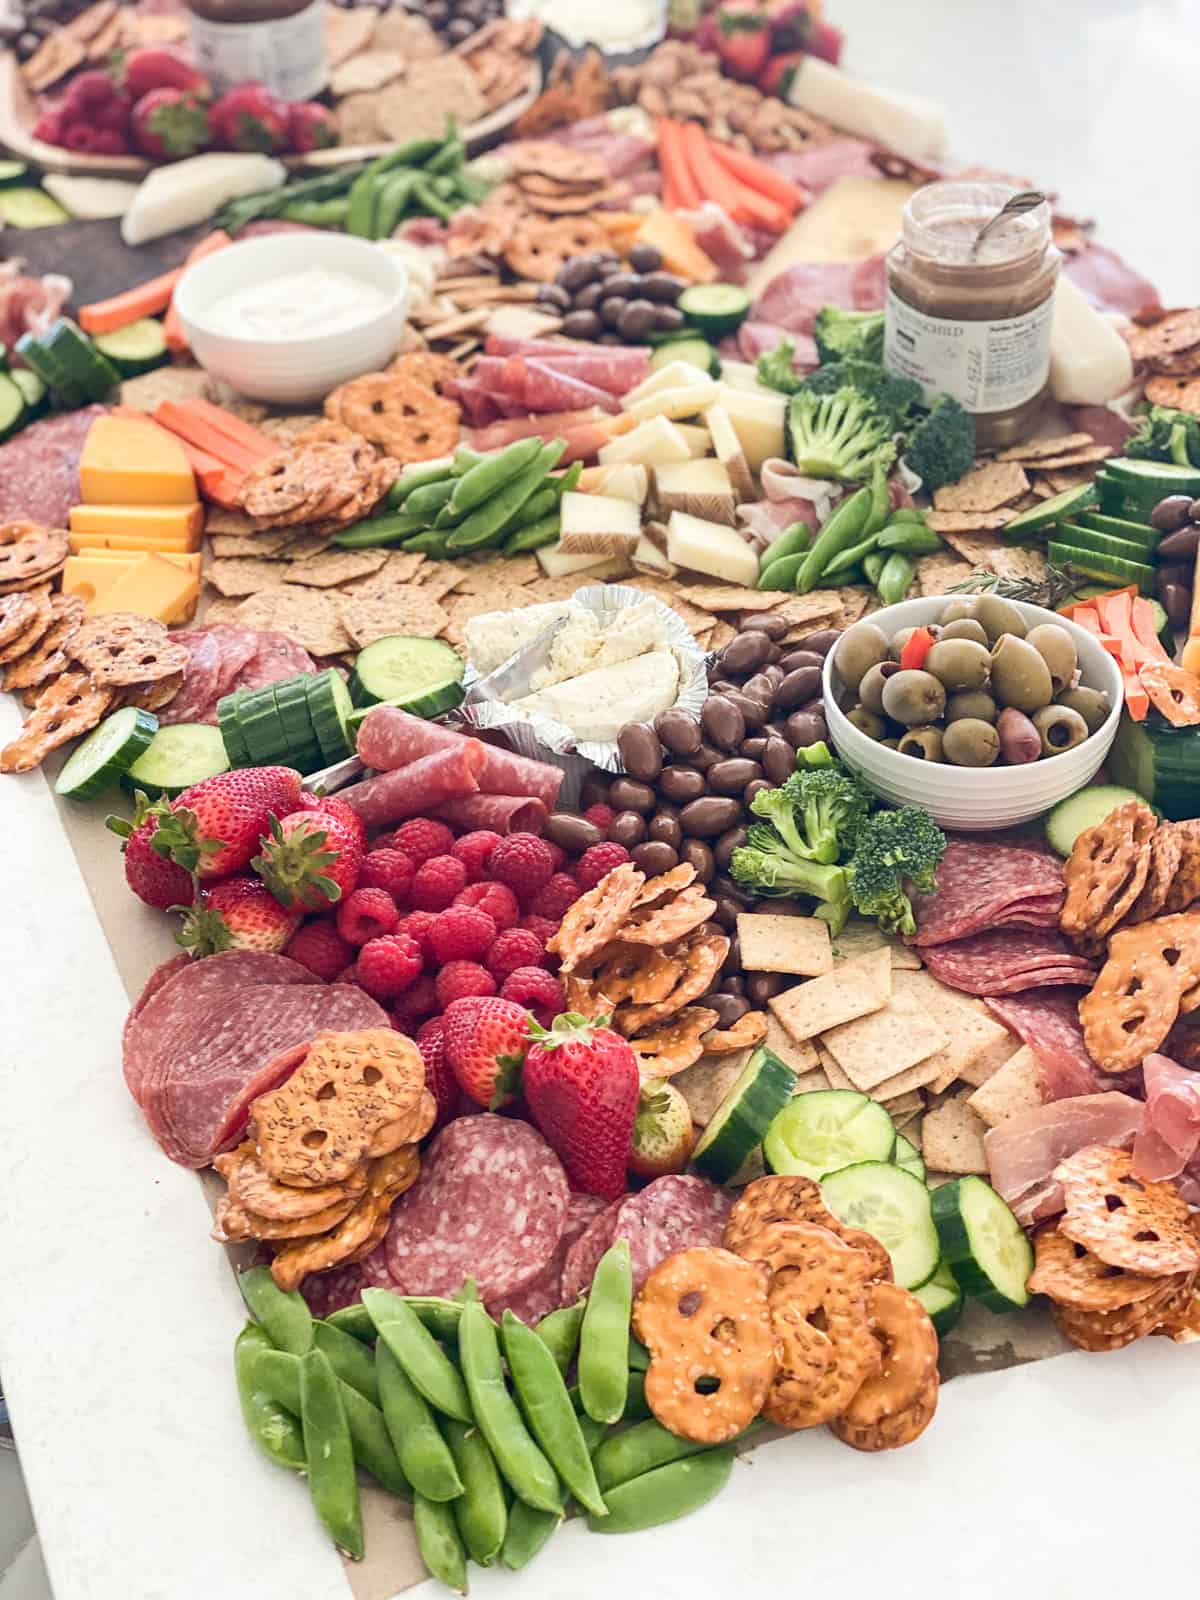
[(688, 400), (599, 524), (675, 375), (727, 448), (697, 439), (1090, 363), (701, 488), (655, 441), (757, 420), (710, 547), (556, 563)]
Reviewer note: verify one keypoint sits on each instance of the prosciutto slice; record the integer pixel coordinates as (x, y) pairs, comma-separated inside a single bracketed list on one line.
[(756, 339), (1047, 1020), (792, 299), (823, 164), (1108, 283), (1170, 1135), (1023, 1151)]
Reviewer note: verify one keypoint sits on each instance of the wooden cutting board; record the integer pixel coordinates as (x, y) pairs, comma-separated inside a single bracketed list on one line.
[(95, 257)]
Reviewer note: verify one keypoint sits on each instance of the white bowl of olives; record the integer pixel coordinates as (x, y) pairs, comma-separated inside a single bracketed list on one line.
[(996, 711)]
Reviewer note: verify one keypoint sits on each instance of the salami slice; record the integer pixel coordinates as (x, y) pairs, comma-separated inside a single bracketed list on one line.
[(277, 657), (495, 435), (1003, 960), (499, 344), (39, 468), (327, 1292), (197, 697), (979, 880), (543, 1293), (237, 647), (410, 791), (670, 1214), (390, 738), (1047, 1020), (490, 1204), (499, 813), (584, 1255), (540, 387)]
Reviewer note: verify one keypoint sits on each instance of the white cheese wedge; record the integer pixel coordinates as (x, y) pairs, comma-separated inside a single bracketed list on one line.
[(727, 448), (1090, 363), (597, 705), (627, 481), (757, 419), (710, 547), (697, 439), (655, 441), (556, 563), (675, 375), (599, 524), (908, 123), (494, 635), (648, 558), (743, 375), (584, 643), (701, 488), (688, 400)]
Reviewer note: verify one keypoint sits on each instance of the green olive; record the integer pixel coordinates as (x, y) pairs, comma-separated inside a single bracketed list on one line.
[(1093, 705), (1057, 649), (857, 651), (957, 610), (900, 639), (971, 742), (913, 697), (1060, 728), (1020, 677), (997, 616), (959, 664), (971, 703), (923, 743), (870, 690), (965, 628), (866, 722)]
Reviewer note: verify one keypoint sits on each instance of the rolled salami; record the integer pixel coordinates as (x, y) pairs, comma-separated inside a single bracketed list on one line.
[(420, 786), (389, 738)]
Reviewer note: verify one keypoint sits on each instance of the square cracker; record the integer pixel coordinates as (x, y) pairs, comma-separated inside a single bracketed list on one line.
[(799, 945), (940, 572), (952, 1139), (236, 576), (908, 1082), (970, 1032), (966, 521), (404, 611), (989, 1061), (900, 1105), (986, 487), (800, 1055), (309, 616), (812, 1082), (857, 938), (328, 568), (873, 1048), (1017, 1086), (728, 597), (1037, 450), (855, 989)]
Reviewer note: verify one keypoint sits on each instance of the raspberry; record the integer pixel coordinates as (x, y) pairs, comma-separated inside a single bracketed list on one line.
[(552, 901), (524, 863), (461, 933), (422, 839), (515, 948), (597, 863), (558, 855), (460, 978), (536, 990), (387, 966), (320, 947), (439, 1080), (367, 914), (474, 850), (417, 925), (499, 902), (541, 927), (387, 869), (417, 1002), (437, 882), (600, 816)]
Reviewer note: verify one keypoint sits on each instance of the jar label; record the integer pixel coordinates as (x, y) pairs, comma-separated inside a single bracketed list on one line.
[(287, 54), (986, 366)]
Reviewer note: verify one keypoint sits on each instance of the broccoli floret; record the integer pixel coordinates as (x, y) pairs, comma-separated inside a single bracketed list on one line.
[(893, 847), (942, 446), (857, 334), (777, 368), (836, 436), (766, 866), (1165, 434), (893, 398), (817, 812)]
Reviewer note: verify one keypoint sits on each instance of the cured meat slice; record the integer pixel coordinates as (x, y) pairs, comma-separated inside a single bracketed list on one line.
[(1105, 425), (1047, 1020), (39, 468), (543, 1293), (976, 882), (476, 399), (490, 1204), (793, 298), (1004, 960), (199, 692), (615, 371), (499, 344), (238, 647), (276, 657), (819, 165), (540, 387), (1170, 1133), (584, 1255), (327, 1292), (1024, 1150), (408, 791), (1108, 282), (551, 425), (670, 1214), (759, 338), (868, 286), (390, 738), (498, 813)]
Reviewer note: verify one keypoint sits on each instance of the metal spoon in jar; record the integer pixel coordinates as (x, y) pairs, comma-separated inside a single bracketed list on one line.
[(1026, 200)]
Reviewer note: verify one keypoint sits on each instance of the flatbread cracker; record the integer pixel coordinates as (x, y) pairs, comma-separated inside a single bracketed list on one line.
[(406, 611), (873, 1048), (947, 522), (985, 488), (952, 1139), (796, 945), (240, 576), (855, 989), (1014, 1087), (1036, 450), (331, 567), (309, 616), (970, 1032), (1006, 561), (799, 1054), (366, 71), (940, 572)]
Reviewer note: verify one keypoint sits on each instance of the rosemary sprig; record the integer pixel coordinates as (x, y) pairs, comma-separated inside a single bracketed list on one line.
[(1051, 591)]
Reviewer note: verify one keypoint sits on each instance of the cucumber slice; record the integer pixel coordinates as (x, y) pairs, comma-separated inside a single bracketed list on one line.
[(1102, 544), (33, 391), (894, 1206), (1139, 533), (984, 1243), (12, 405), (907, 1157), (1113, 568), (291, 702), (716, 307), (12, 171), (134, 348), (1156, 478), (942, 1297), (1049, 511), (262, 728), (107, 752), (1084, 809), (423, 676), (177, 757), (826, 1130), (41, 359), (30, 208), (764, 1086), (231, 729), (696, 352), (78, 356), (329, 706)]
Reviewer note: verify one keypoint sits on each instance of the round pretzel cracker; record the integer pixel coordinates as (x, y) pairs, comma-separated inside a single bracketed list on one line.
[(1125, 1220), (895, 1431), (29, 552), (20, 614), (1106, 870), (1073, 1276), (703, 1314), (49, 656), (704, 956), (295, 1261), (748, 1031), (1179, 393), (121, 647), (1166, 853), (426, 367), (234, 1223), (540, 249), (547, 159), (253, 1188), (655, 890), (675, 1045), (632, 972), (1099, 1331), (902, 1327), (1177, 330), (69, 706), (663, 924), (406, 418), (1185, 885), (1173, 692), (785, 1198), (1133, 1004)]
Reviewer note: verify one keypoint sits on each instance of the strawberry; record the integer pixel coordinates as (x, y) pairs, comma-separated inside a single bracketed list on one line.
[(662, 1131), (215, 827), (151, 875), (581, 1087), (486, 1039), (743, 41), (311, 859), (780, 72), (239, 914)]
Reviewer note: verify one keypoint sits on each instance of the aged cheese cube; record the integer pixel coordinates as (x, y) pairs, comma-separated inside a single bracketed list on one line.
[(178, 526), (710, 547), (152, 586), (129, 462), (599, 524), (702, 488), (656, 441), (686, 400), (757, 421)]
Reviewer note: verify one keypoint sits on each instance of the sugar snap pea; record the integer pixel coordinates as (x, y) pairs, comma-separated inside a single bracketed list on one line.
[(639, 1356), (528, 1532), (535, 535), (391, 201), (913, 538), (488, 522), (428, 501), (428, 199), (481, 1511), (644, 1447), (604, 1336), (545, 1403), (873, 566), (414, 1347), (394, 528), (427, 1463), (843, 528), (559, 1332), (439, 1543), (417, 477), (793, 541), (465, 459), (850, 558), (487, 476), (349, 1359), (908, 514), (274, 1429), (665, 1493), (433, 542), (898, 572), (354, 1320), (330, 213), (636, 1406), (781, 574), (450, 154), (567, 480), (332, 1484), (881, 501), (539, 506), (524, 1466), (285, 1316)]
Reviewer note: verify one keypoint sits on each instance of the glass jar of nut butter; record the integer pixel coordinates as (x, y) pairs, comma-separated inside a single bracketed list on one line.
[(277, 42), (969, 314)]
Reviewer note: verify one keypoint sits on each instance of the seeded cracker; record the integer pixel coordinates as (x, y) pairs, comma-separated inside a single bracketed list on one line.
[(404, 612), (727, 597), (1036, 450), (1089, 455), (1177, 330), (370, 69), (331, 567), (984, 488), (261, 546), (948, 522), (241, 576), (1183, 394), (1006, 561), (940, 572), (502, 569), (952, 1139), (305, 615)]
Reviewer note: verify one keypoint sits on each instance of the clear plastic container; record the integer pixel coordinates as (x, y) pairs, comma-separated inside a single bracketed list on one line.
[(277, 42)]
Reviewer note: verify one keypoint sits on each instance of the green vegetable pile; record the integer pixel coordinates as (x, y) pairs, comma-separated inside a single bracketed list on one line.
[(821, 837), (1166, 435)]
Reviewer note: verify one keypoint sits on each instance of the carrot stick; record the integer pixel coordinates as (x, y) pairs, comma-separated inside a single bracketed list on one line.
[(172, 323), (195, 430), (712, 181), (146, 300), (677, 174), (757, 175), (231, 426)]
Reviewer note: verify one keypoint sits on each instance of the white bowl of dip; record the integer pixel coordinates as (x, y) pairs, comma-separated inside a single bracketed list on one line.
[(288, 317)]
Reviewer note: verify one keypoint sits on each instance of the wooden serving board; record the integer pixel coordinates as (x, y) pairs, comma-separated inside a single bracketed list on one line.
[(95, 257)]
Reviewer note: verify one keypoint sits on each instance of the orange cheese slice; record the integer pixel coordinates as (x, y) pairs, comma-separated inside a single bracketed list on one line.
[(129, 462), (166, 523), (93, 576)]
